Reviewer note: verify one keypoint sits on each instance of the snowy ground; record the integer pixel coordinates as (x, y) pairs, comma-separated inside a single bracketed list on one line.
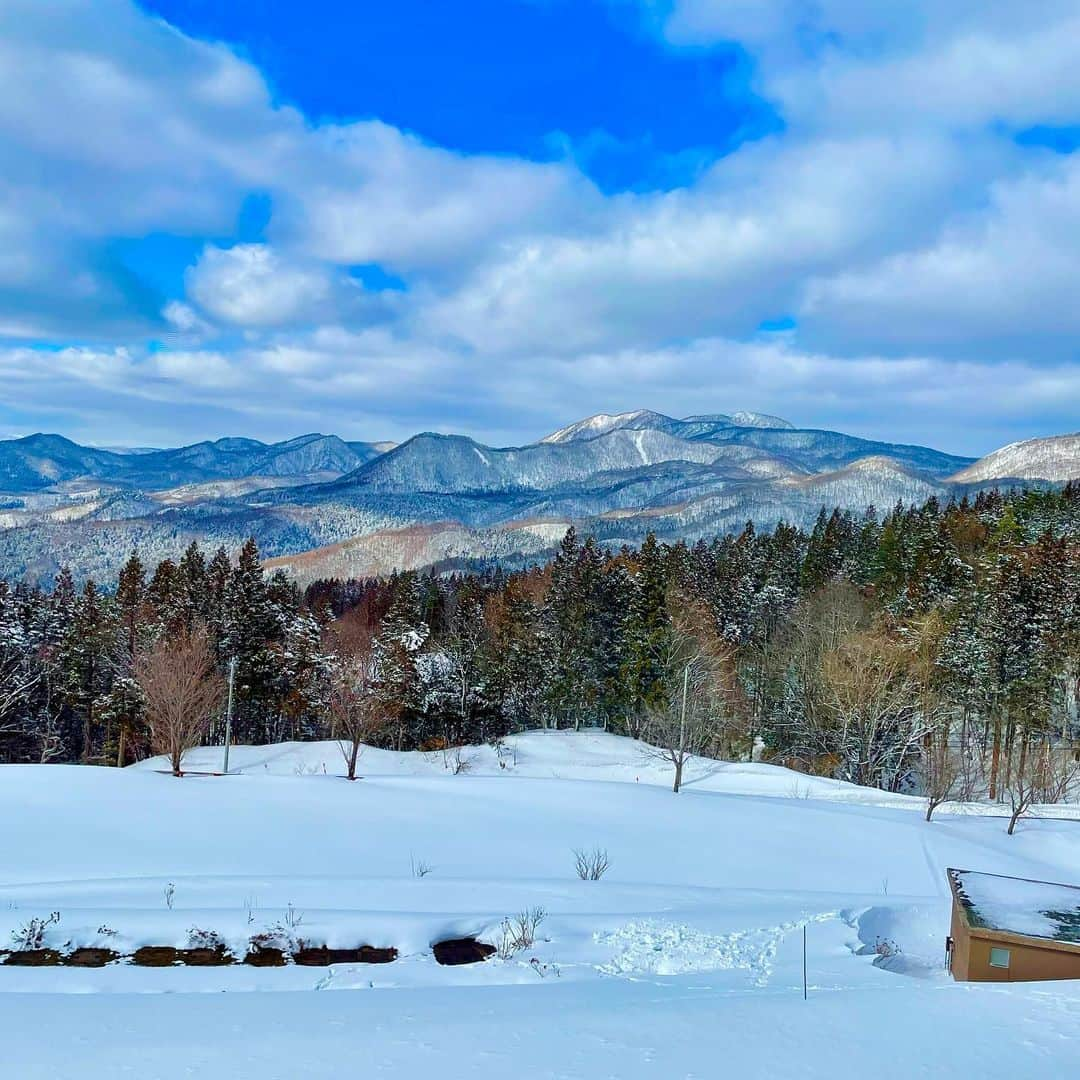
[(684, 961)]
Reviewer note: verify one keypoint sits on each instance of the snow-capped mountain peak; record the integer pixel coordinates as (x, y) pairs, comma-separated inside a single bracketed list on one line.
[(762, 420), (602, 423), (688, 427)]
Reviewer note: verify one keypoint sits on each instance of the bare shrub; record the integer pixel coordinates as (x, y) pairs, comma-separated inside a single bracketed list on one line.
[(182, 689), (31, 935), (885, 948), (199, 938), (518, 932), (420, 867), (591, 865), (281, 935), (544, 970), (169, 892), (278, 936), (504, 754), (456, 760)]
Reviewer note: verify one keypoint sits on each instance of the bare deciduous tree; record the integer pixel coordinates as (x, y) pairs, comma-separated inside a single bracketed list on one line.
[(942, 770), (942, 763), (359, 706), (182, 690), (687, 723), (872, 700), (1044, 774), (16, 681)]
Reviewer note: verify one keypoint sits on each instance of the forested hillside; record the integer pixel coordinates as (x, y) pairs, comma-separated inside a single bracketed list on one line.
[(936, 647)]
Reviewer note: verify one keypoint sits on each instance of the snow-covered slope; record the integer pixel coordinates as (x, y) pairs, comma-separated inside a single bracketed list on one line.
[(756, 419), (602, 423), (445, 545), (821, 451), (1056, 458), (874, 480), (617, 475), (38, 461), (453, 463), (741, 419), (688, 428), (687, 952), (310, 454)]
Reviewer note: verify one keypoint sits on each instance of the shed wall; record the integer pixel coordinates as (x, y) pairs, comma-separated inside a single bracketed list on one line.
[(1027, 962)]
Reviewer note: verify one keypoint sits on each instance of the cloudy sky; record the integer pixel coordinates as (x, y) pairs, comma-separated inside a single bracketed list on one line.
[(495, 216)]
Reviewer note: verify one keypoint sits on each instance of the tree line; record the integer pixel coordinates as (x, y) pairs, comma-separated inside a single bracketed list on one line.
[(933, 648)]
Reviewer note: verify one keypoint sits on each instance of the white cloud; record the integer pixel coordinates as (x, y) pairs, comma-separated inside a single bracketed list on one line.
[(133, 128), (392, 387), (721, 258), (370, 193), (999, 282), (894, 215), (922, 63), (250, 285)]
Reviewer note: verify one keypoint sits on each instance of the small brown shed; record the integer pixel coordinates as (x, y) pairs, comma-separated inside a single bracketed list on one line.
[(1007, 929)]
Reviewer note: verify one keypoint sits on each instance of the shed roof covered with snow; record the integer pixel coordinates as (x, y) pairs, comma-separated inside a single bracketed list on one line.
[(1037, 909)]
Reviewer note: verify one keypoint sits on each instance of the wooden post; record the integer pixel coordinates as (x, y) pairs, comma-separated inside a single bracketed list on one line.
[(804, 962)]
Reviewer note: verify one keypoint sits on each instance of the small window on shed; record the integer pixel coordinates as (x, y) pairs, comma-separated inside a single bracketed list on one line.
[(999, 958)]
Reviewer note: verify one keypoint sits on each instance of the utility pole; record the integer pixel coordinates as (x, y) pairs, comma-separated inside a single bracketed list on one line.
[(682, 712), (228, 714)]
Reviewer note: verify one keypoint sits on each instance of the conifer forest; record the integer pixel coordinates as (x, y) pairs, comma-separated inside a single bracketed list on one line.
[(933, 649)]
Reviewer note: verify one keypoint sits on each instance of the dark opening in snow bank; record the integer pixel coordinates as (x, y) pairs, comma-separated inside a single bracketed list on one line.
[(462, 951)]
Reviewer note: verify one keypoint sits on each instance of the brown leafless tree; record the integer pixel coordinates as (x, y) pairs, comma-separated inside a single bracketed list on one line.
[(360, 708), (688, 722), (873, 704), (1044, 774), (943, 772), (182, 689), (819, 625)]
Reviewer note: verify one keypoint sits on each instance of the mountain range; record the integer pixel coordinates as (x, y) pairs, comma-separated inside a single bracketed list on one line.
[(38, 462), (323, 506)]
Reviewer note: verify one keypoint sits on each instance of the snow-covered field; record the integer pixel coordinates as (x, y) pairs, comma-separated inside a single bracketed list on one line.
[(685, 960)]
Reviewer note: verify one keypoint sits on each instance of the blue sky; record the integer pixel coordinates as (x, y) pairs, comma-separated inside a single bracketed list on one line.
[(495, 216), (544, 80), (536, 78)]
